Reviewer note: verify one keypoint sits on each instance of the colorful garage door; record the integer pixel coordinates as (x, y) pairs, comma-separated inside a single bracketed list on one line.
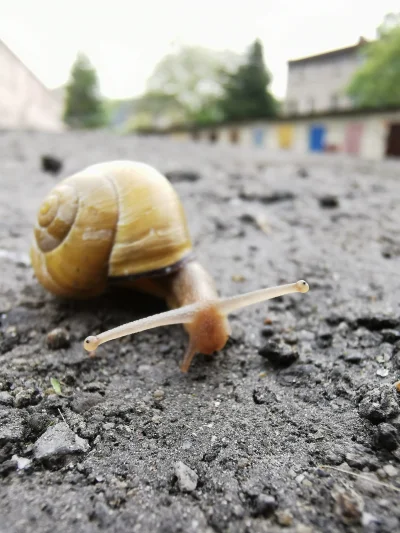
[(353, 135), (285, 135), (258, 136), (317, 136)]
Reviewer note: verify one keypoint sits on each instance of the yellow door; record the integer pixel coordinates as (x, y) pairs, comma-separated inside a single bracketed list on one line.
[(285, 135)]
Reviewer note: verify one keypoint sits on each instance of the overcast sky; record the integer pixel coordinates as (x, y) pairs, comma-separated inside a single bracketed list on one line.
[(126, 38)]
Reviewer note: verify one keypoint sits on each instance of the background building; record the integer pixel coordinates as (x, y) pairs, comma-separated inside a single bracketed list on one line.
[(316, 83), (25, 103)]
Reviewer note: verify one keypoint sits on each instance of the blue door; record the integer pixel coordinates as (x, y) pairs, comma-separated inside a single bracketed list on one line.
[(258, 136), (317, 138)]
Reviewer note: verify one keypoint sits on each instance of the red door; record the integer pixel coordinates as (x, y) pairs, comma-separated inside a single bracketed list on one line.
[(352, 141)]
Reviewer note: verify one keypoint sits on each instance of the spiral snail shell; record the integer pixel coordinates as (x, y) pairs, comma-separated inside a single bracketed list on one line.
[(111, 220), (122, 221)]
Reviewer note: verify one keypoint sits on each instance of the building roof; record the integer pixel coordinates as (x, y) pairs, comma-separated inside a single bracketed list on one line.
[(330, 54)]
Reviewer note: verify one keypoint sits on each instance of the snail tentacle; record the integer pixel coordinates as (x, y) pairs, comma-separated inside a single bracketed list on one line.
[(181, 315), (189, 313), (232, 303)]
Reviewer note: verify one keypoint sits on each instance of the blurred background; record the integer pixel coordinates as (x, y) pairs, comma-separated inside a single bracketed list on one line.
[(320, 76)]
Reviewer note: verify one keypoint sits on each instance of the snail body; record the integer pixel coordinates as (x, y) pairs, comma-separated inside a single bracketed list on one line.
[(123, 222)]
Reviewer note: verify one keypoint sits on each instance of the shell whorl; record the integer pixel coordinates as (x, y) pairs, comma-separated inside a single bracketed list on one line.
[(56, 217)]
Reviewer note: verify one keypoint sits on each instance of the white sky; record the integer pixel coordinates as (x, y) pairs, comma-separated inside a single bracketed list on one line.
[(126, 38)]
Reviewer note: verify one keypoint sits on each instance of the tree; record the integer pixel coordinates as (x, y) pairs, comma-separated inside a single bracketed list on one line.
[(193, 76), (246, 90), (377, 82), (162, 109), (83, 104)]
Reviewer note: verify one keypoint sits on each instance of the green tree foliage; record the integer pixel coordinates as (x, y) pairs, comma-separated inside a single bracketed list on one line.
[(246, 92), (156, 109), (83, 104), (377, 82), (193, 78)]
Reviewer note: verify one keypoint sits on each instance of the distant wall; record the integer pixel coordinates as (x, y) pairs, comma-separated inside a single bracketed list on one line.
[(370, 136), (25, 103)]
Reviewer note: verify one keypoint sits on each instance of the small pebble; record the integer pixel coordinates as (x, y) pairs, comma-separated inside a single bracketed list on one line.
[(6, 398), (354, 358), (329, 201), (22, 462), (302, 172), (279, 354), (182, 175), (26, 397), (284, 518), (391, 470), (267, 331), (158, 395), (378, 404), (265, 505), (290, 338), (94, 386), (386, 437), (58, 338), (348, 506), (51, 164), (57, 441), (239, 278), (187, 478), (391, 335), (382, 372)]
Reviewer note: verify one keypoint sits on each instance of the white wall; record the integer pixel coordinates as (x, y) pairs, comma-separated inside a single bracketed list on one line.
[(374, 139), (24, 101), (375, 130)]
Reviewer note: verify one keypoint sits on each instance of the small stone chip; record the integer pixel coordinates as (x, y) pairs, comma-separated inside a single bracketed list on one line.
[(59, 440), (391, 470), (58, 338), (348, 506), (159, 395), (187, 478), (284, 518), (265, 505)]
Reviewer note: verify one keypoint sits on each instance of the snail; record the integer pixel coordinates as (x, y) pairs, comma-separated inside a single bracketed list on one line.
[(122, 222)]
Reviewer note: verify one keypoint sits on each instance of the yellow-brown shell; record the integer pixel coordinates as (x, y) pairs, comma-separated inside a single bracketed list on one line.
[(113, 219)]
